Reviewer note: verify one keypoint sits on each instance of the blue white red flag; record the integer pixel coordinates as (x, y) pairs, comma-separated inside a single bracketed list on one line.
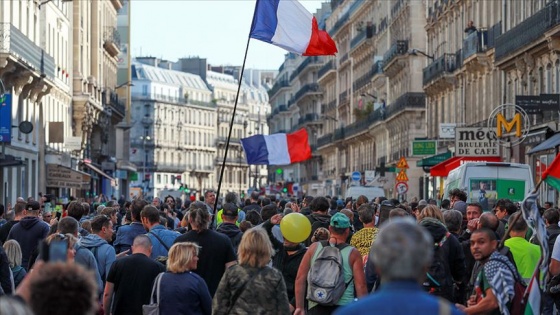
[(277, 149), (287, 24)]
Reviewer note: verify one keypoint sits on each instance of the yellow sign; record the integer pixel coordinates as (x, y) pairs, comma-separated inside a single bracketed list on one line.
[(402, 163), (503, 123), (401, 177)]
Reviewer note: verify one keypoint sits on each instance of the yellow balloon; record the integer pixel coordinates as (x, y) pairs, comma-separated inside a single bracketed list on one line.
[(295, 227)]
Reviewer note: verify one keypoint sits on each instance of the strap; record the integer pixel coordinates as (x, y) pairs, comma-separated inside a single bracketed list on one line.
[(160, 240), (444, 307), (155, 288), (238, 292)]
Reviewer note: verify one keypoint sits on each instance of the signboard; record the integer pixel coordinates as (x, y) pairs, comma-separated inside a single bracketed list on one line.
[(402, 177), (535, 104), (6, 118), (424, 147), (511, 123), (356, 176), (434, 160), (475, 141), (401, 188), (447, 131), (369, 176), (73, 143), (64, 177), (402, 163)]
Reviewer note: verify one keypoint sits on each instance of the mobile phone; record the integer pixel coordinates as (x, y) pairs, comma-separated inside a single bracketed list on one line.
[(55, 251)]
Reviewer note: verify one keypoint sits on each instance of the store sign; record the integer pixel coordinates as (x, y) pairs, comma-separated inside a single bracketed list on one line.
[(511, 123), (6, 118), (447, 131), (475, 141), (64, 177), (536, 104), (424, 147)]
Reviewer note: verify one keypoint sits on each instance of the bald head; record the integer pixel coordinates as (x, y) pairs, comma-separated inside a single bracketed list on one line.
[(489, 220), (142, 245)]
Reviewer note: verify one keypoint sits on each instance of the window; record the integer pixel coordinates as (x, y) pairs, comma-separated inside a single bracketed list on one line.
[(158, 178), (165, 178), (145, 89)]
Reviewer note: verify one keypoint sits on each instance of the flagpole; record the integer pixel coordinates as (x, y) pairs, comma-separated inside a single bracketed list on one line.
[(231, 126)]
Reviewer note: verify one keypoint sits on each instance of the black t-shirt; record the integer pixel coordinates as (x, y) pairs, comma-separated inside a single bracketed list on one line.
[(5, 230), (133, 277), (216, 251)]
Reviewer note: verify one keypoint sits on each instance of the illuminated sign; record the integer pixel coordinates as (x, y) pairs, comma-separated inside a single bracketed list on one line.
[(511, 124)]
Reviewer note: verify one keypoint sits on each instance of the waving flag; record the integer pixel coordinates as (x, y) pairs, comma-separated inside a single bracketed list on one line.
[(552, 174), (277, 149), (287, 24), (535, 222)]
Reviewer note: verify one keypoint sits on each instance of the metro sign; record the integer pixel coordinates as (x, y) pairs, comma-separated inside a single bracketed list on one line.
[(504, 119)]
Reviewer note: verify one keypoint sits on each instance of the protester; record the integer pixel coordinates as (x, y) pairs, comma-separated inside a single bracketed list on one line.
[(131, 279), (59, 288), (19, 213), (525, 254), (13, 252), (364, 238), (228, 219), (161, 238), (97, 243), (127, 233), (181, 290), (353, 268), (252, 287), (216, 253), (402, 252)]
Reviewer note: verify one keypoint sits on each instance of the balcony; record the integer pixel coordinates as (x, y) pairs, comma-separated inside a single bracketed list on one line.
[(309, 61), (439, 74), (171, 100), (282, 108), (359, 39), (277, 86), (338, 134), (311, 118), (328, 68), (392, 60), (343, 59), (526, 32), (342, 21), (117, 104), (343, 97), (25, 64), (112, 41), (311, 89), (363, 80), (364, 124), (330, 106), (378, 77), (411, 100)]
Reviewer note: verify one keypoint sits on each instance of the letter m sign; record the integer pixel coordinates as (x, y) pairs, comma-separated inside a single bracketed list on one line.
[(503, 123)]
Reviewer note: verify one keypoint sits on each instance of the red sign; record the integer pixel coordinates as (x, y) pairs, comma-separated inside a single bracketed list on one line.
[(442, 169)]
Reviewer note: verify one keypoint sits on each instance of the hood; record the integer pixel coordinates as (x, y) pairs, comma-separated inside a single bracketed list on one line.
[(92, 240), (29, 222), (231, 230), (435, 227), (321, 217)]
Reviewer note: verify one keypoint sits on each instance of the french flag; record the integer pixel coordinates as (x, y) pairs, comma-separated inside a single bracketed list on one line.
[(287, 24), (277, 149)]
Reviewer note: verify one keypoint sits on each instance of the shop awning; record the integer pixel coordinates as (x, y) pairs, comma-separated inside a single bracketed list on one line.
[(442, 169), (100, 172), (547, 144), (126, 165), (59, 176), (434, 159), (10, 161)]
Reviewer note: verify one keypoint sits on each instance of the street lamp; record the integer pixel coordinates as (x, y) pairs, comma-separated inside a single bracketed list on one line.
[(127, 83), (368, 94), (145, 162), (415, 52)]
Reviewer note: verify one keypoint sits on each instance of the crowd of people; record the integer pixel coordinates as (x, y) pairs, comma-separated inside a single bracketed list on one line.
[(362, 256)]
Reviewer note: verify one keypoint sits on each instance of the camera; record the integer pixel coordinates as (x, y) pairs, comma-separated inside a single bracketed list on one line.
[(56, 251)]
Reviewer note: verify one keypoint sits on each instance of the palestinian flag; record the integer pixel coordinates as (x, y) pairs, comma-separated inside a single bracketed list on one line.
[(552, 174)]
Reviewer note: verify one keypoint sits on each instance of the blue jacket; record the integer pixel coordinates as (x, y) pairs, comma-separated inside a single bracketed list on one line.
[(28, 232), (85, 258), (184, 294), (126, 235), (103, 252), (396, 298), (167, 237)]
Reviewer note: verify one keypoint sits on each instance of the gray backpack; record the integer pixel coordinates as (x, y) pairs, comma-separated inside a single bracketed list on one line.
[(325, 279)]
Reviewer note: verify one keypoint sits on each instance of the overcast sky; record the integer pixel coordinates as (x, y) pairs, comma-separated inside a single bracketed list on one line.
[(213, 29)]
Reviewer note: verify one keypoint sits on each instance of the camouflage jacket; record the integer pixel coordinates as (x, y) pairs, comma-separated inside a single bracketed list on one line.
[(265, 294)]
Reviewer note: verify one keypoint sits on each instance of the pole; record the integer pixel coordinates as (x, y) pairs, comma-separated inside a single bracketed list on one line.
[(231, 125)]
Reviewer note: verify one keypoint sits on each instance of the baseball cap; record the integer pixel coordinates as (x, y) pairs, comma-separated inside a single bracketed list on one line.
[(32, 206), (339, 202), (230, 210), (339, 220)]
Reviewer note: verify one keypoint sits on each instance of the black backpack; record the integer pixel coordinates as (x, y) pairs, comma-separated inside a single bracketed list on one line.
[(438, 278)]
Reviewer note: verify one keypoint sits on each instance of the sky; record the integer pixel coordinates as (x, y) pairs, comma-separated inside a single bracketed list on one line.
[(213, 29)]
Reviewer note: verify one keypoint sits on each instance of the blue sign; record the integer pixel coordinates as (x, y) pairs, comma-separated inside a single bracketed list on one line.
[(6, 118), (356, 176)]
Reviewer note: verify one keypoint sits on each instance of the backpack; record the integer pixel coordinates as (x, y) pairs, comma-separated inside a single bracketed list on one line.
[(325, 279), (438, 281), (519, 302)]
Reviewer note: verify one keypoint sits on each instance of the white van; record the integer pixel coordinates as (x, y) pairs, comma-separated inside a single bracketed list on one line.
[(369, 191), (486, 182)]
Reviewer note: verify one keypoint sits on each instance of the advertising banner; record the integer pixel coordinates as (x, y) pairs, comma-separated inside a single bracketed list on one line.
[(6, 118)]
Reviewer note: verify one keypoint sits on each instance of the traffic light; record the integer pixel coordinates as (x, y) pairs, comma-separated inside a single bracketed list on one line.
[(184, 188), (279, 171), (178, 178)]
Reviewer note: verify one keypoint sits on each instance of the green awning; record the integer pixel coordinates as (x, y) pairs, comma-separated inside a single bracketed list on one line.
[(434, 159)]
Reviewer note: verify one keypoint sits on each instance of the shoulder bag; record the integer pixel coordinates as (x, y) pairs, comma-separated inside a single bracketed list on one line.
[(153, 307)]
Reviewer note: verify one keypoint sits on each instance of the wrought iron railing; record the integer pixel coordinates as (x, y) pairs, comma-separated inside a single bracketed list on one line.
[(442, 65)]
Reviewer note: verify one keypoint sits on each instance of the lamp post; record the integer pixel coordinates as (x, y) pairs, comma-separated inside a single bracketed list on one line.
[(416, 52), (145, 162)]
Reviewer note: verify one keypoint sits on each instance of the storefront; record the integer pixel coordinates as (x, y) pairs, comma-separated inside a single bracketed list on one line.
[(541, 156), (64, 181), (102, 183)]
